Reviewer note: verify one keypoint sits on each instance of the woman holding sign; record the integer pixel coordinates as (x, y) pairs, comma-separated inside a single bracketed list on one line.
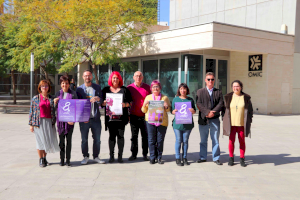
[(155, 108), (183, 107), (117, 101), (65, 129), (42, 122), (237, 119)]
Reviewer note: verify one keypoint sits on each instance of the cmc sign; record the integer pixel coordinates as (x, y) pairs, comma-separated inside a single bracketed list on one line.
[(255, 66)]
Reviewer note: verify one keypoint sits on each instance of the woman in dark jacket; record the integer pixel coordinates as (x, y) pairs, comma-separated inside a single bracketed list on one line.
[(65, 129), (237, 119), (116, 123)]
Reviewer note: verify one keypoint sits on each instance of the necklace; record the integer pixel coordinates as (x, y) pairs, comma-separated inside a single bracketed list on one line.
[(236, 105), (44, 97)]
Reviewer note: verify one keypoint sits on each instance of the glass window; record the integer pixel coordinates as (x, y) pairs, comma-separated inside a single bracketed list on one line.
[(169, 77), (195, 74), (103, 75), (150, 70), (222, 76), (211, 65), (130, 68)]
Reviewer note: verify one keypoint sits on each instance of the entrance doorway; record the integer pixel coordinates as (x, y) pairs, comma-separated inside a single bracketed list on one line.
[(219, 66)]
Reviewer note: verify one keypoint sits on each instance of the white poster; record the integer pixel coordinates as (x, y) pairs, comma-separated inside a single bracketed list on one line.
[(114, 104)]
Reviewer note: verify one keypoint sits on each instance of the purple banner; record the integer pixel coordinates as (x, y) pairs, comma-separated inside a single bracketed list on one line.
[(183, 115), (74, 110)]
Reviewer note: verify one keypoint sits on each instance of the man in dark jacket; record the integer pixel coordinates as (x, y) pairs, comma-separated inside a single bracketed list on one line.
[(209, 101), (91, 91)]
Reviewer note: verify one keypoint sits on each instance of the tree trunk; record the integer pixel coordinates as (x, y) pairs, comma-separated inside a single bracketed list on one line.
[(95, 73), (45, 72), (14, 86)]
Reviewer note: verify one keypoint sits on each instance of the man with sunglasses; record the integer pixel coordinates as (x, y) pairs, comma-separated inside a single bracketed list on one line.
[(209, 101)]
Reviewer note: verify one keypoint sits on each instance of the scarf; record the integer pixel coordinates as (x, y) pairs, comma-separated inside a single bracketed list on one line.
[(158, 99), (64, 126)]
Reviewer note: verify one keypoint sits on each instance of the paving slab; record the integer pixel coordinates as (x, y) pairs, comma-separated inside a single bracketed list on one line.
[(272, 155)]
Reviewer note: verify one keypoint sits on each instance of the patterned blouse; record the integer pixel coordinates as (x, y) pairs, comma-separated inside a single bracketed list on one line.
[(34, 113)]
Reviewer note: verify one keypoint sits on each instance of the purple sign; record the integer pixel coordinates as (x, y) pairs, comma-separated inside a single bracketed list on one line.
[(74, 110), (183, 115)]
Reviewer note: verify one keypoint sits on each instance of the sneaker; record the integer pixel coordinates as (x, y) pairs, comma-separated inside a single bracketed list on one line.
[(85, 161), (99, 161)]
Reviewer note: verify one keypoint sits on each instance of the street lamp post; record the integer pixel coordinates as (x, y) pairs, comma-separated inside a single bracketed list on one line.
[(31, 76)]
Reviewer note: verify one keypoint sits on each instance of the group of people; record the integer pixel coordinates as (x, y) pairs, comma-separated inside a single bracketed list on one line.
[(235, 109)]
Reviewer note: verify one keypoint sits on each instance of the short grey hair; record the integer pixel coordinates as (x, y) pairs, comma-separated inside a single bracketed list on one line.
[(140, 72), (210, 74)]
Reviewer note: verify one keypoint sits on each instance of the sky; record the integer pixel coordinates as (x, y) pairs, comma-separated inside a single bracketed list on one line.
[(164, 10)]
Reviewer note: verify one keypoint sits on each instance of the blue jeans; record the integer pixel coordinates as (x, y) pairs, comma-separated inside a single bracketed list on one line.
[(156, 137), (181, 137), (214, 127), (96, 133)]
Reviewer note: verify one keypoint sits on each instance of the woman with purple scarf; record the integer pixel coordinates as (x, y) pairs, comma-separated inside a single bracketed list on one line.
[(65, 129), (156, 131)]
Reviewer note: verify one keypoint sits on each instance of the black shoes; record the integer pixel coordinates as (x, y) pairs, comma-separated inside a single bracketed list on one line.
[(231, 161), (152, 162), (111, 159), (120, 159), (160, 162), (46, 162), (178, 162), (131, 158), (185, 162), (201, 161), (42, 162), (218, 162), (68, 163), (62, 163), (145, 158), (242, 162)]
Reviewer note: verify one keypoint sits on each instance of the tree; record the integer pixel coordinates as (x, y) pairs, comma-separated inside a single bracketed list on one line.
[(98, 32)]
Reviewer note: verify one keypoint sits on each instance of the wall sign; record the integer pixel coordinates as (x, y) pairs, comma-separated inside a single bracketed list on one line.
[(255, 66)]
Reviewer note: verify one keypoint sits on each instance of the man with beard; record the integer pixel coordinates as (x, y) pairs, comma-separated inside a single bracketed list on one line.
[(91, 91)]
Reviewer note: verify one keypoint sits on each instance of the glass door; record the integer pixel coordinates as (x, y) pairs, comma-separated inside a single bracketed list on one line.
[(219, 67)]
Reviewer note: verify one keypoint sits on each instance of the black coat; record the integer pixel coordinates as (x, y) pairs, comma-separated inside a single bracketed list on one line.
[(204, 104)]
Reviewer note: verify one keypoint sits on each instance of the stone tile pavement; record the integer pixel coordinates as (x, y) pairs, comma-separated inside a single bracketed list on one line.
[(273, 155)]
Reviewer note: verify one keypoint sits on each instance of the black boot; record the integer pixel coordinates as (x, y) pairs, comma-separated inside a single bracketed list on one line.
[(111, 159), (42, 162), (62, 162), (120, 159), (231, 161), (242, 161), (178, 162), (46, 162), (185, 162)]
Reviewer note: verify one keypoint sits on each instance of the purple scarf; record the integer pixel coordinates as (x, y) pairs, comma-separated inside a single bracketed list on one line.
[(158, 99), (64, 126)]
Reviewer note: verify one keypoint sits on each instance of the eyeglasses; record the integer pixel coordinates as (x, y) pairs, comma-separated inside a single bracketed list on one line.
[(138, 76), (44, 86), (155, 87), (210, 79), (87, 76)]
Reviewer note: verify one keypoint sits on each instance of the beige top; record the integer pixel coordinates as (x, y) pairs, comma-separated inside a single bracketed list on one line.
[(237, 107)]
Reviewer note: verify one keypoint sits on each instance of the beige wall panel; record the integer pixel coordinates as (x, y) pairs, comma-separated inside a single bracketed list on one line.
[(280, 83), (252, 33), (243, 43), (256, 87), (296, 100)]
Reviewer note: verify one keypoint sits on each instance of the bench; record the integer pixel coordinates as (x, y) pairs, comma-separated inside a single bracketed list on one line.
[(7, 106)]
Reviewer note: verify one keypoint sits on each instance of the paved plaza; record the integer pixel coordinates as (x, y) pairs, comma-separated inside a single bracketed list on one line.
[(272, 155)]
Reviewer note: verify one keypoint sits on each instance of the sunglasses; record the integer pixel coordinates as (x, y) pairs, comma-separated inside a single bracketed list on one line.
[(210, 79)]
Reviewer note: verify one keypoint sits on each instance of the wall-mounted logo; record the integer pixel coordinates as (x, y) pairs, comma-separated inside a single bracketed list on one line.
[(255, 66)]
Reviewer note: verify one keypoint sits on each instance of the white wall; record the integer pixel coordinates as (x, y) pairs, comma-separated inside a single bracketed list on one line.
[(261, 14)]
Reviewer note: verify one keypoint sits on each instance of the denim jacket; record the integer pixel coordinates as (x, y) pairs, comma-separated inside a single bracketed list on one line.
[(34, 112)]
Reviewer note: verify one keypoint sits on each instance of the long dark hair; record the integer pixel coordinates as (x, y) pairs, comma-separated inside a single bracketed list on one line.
[(239, 82)]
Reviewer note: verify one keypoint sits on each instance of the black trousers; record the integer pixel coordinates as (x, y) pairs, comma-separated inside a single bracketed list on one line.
[(116, 130), (63, 149), (138, 123)]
